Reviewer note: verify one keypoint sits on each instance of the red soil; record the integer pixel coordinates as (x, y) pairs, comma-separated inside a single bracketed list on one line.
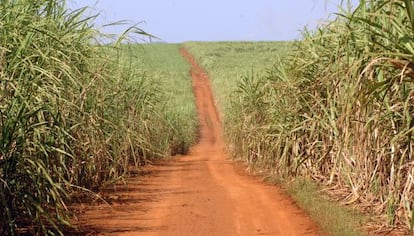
[(203, 193)]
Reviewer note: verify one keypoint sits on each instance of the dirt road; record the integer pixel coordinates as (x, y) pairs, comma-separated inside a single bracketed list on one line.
[(202, 193)]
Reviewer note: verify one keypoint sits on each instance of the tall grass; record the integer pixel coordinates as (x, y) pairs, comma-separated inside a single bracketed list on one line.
[(339, 110), (169, 71), (73, 115)]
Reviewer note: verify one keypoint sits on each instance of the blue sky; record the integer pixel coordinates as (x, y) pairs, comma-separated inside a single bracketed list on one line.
[(213, 20)]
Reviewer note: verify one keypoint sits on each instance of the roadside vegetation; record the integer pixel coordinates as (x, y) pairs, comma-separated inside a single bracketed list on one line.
[(74, 115), (226, 62), (230, 63), (169, 70), (337, 111)]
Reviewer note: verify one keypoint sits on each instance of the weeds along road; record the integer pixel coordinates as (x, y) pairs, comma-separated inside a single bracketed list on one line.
[(202, 193)]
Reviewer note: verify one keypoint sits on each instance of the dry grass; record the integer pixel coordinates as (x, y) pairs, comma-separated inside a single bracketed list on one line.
[(73, 115), (339, 111)]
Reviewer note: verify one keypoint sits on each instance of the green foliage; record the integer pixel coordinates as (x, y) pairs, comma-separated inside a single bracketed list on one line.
[(73, 115), (170, 71), (35, 159), (331, 217), (339, 110)]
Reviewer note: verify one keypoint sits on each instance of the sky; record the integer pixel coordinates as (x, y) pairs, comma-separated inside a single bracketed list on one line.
[(176, 21)]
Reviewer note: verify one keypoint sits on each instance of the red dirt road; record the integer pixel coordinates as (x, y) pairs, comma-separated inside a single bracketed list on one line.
[(202, 193)]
